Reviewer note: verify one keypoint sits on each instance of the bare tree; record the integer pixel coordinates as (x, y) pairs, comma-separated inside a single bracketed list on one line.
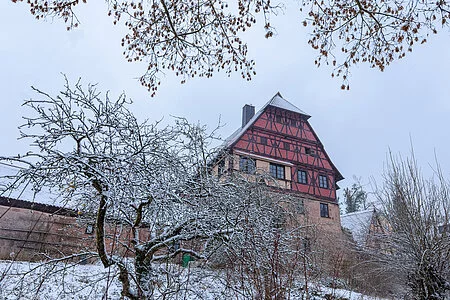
[(417, 248), (264, 258), (198, 38), (189, 38), (115, 170), (278, 251), (375, 32)]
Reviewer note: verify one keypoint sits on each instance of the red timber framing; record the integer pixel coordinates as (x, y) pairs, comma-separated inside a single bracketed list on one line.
[(281, 132)]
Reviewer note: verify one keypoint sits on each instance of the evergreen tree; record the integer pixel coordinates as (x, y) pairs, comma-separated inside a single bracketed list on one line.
[(355, 198)]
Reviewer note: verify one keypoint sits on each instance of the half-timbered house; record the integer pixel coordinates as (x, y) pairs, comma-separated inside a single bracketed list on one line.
[(278, 140)]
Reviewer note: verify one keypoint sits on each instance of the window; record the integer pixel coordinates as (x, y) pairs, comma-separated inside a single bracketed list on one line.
[(323, 181), (306, 244), (278, 221), (263, 140), (302, 177), (287, 146), (89, 229), (277, 171), (247, 165), (324, 210), (310, 151), (444, 228), (278, 119), (221, 167), (300, 207), (175, 246)]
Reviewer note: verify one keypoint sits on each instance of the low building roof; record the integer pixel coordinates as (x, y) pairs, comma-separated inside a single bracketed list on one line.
[(358, 223), (51, 209)]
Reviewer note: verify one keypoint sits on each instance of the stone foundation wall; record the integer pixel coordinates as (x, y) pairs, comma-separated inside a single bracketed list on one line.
[(331, 224)]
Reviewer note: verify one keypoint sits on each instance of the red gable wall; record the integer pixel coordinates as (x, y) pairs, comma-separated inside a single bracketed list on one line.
[(285, 135)]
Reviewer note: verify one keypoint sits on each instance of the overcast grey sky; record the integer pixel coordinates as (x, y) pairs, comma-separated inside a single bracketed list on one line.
[(381, 110)]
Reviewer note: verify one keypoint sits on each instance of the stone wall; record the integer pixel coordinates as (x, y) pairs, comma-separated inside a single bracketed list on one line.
[(332, 223), (27, 234)]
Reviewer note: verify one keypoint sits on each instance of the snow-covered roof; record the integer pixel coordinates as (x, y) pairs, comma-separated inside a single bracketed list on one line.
[(276, 101), (24, 192), (280, 102), (358, 223)]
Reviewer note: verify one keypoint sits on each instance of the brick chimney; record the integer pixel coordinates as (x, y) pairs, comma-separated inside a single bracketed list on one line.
[(248, 111)]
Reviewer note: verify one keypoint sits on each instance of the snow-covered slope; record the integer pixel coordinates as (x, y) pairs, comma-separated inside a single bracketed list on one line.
[(76, 282)]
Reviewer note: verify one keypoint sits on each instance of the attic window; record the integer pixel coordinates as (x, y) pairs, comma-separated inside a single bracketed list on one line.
[(310, 151), (263, 140), (287, 146)]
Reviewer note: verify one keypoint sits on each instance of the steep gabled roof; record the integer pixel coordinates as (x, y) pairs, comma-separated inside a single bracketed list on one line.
[(280, 102), (276, 101)]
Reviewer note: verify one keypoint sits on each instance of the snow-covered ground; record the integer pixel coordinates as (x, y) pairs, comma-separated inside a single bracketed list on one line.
[(23, 280)]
